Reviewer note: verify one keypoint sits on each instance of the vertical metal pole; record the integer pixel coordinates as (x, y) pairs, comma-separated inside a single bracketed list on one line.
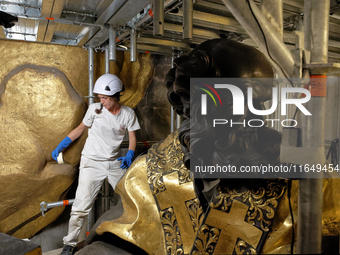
[(178, 121), (112, 43), (91, 63), (105, 188), (91, 101), (273, 10), (107, 195), (256, 25), (187, 19), (158, 17), (90, 218), (172, 115), (133, 45), (107, 61), (309, 231), (278, 110)]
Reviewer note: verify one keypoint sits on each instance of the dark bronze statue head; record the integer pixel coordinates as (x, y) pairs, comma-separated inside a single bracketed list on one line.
[(240, 145)]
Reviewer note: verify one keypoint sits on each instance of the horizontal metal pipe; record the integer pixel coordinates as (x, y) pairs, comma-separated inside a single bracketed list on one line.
[(146, 18), (63, 21), (45, 206)]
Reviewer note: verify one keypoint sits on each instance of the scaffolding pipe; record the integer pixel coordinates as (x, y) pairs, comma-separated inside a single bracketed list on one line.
[(107, 61), (309, 231), (45, 206), (178, 121), (158, 17), (90, 220), (172, 111), (133, 45), (187, 19), (274, 12), (146, 18), (264, 35), (91, 101), (91, 63), (112, 43), (106, 195)]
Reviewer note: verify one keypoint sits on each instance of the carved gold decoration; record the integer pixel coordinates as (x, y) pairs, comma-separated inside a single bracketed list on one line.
[(169, 207), (140, 222), (206, 240), (242, 248), (233, 226), (169, 178), (162, 160), (263, 202), (157, 232), (172, 236), (182, 193), (195, 212)]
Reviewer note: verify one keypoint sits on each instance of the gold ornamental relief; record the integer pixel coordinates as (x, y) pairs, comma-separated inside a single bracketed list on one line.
[(243, 248), (164, 158), (262, 202), (30, 132), (206, 240), (174, 244), (173, 191), (176, 196), (195, 212)]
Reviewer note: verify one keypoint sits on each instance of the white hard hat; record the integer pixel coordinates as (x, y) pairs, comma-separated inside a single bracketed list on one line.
[(108, 84)]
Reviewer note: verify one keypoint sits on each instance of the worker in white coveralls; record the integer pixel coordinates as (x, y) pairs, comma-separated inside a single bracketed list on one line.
[(108, 122)]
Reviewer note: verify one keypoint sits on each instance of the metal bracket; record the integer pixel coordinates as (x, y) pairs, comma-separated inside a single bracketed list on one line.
[(327, 68)]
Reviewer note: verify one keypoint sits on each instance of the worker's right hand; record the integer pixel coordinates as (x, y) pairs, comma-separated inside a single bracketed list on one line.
[(62, 145)]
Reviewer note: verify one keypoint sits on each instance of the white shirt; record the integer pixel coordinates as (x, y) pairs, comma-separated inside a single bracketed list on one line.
[(106, 131)]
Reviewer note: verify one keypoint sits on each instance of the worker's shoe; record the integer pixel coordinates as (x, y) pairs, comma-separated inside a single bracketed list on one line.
[(68, 250)]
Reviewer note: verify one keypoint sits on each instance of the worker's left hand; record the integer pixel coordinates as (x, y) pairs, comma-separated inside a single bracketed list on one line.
[(127, 160)]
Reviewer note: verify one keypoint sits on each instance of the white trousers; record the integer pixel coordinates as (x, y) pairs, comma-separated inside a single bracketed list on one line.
[(91, 177)]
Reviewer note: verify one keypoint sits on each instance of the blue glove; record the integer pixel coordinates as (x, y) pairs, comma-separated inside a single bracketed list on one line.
[(62, 145), (127, 160)]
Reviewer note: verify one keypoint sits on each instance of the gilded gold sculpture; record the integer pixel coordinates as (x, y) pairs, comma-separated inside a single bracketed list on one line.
[(161, 202), (42, 90), (163, 171), (30, 95), (158, 176)]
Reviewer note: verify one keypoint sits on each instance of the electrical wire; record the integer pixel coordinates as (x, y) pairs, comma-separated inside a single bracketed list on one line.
[(289, 190), (289, 184), (333, 152)]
